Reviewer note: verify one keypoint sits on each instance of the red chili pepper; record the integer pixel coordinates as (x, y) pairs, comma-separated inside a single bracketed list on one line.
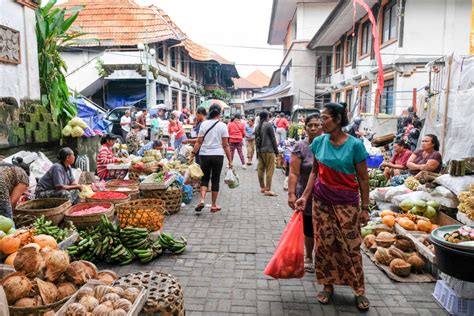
[(109, 195)]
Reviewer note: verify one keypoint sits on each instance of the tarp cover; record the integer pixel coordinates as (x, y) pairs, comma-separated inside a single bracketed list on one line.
[(457, 142)]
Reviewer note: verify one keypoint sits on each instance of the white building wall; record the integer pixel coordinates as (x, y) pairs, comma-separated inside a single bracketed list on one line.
[(20, 81), (310, 17)]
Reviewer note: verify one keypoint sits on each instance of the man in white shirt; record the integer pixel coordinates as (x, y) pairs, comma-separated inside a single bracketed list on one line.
[(125, 122)]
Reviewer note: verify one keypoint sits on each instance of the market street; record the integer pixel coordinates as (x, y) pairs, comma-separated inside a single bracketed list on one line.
[(222, 269)]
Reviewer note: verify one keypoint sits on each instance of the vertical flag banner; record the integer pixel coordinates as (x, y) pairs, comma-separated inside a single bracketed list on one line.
[(378, 57), (471, 50)]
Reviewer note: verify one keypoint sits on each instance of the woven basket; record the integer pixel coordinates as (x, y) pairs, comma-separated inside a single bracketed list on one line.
[(172, 198), (23, 220), (146, 213), (121, 183), (113, 201), (84, 221), (135, 175), (52, 209), (37, 311), (165, 294), (133, 192)]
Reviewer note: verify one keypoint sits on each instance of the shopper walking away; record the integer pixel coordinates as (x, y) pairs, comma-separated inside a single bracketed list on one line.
[(250, 139), (267, 150), (339, 174), (281, 124), (175, 128), (125, 123), (212, 145), (14, 182), (301, 164), (236, 137)]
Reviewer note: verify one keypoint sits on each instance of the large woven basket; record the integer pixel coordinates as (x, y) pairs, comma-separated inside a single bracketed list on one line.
[(52, 209), (146, 213), (172, 198), (113, 201), (165, 294), (84, 221)]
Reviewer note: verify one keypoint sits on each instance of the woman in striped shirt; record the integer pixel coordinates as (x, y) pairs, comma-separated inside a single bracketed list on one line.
[(106, 156)]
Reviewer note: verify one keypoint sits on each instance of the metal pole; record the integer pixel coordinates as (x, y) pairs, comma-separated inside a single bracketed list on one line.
[(147, 85)]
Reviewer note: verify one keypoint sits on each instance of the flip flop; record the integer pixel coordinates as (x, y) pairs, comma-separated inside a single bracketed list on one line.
[(360, 301), (216, 209), (270, 193), (199, 207), (325, 295), (262, 191)]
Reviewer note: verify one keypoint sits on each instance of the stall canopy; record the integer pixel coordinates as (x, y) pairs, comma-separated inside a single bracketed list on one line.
[(280, 91), (91, 113), (206, 104)]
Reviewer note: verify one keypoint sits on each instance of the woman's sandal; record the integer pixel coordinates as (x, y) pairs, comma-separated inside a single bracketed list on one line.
[(199, 207), (216, 209), (324, 297), (270, 193), (362, 303)]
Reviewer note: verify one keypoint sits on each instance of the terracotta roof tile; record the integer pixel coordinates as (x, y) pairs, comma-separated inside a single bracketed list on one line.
[(242, 83), (259, 78)]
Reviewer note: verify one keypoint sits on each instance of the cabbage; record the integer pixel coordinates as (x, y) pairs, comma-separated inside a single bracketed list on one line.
[(77, 132), (67, 131), (77, 121)]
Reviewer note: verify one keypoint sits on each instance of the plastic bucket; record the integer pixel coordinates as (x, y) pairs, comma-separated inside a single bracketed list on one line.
[(454, 262), (374, 161)]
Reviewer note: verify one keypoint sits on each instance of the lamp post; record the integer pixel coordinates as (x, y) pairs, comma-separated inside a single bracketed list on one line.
[(146, 50)]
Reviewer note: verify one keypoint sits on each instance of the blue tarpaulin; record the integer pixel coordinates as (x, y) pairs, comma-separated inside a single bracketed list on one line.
[(114, 101), (92, 115)]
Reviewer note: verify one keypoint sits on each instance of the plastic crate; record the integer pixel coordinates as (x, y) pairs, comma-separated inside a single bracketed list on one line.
[(462, 288), (374, 161), (455, 305)]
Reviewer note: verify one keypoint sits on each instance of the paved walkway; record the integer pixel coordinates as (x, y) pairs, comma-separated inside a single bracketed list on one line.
[(221, 271)]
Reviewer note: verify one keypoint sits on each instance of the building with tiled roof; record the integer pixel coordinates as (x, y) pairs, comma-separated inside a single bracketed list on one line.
[(247, 88), (108, 67), (258, 78)]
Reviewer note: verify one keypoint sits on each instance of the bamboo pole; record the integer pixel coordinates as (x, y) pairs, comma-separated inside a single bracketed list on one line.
[(446, 105)]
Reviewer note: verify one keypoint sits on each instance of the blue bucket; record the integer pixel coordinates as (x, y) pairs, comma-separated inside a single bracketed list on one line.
[(374, 161)]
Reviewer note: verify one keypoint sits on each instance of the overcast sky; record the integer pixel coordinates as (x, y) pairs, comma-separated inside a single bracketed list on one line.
[(227, 22)]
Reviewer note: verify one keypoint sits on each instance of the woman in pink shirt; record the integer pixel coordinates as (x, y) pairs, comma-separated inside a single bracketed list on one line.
[(282, 126), (398, 163), (176, 127), (236, 136)]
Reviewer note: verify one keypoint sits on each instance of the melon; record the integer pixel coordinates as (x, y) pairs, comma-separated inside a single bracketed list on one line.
[(406, 205), (433, 204)]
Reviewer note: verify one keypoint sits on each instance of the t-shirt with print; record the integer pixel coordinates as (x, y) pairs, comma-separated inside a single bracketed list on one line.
[(212, 143)]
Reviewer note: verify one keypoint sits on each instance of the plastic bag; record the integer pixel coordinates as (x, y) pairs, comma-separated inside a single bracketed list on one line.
[(288, 259), (232, 179), (187, 194), (455, 184), (195, 171)]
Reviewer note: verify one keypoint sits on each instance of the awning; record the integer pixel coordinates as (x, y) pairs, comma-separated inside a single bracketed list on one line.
[(280, 91)]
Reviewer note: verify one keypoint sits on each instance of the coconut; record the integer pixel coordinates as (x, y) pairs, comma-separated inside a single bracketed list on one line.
[(48, 291), (56, 264), (90, 302), (382, 256), (404, 243), (16, 286), (84, 291), (369, 240), (397, 253), (107, 276), (75, 309), (27, 302), (90, 268), (29, 261), (400, 267), (77, 273), (66, 289), (416, 262)]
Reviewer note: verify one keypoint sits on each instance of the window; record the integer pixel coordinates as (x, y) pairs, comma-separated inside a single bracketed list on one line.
[(349, 99), (338, 56), (319, 68), (184, 100), (389, 22), (192, 69), (386, 98), (337, 97), (174, 57), (366, 38), (364, 99), (183, 61), (348, 49), (161, 52), (328, 65), (174, 99)]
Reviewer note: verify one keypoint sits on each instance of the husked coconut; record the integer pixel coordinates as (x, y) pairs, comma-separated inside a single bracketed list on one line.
[(16, 285)]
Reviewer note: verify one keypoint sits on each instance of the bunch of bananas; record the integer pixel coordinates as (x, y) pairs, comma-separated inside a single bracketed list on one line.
[(46, 227), (168, 242)]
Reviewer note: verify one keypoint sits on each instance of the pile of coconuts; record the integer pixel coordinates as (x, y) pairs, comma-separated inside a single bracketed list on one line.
[(46, 276)]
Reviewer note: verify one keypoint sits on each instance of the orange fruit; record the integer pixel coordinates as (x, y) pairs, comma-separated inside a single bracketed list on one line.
[(388, 220)]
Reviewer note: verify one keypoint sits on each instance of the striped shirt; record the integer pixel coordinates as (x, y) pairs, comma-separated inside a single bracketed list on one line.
[(105, 157)]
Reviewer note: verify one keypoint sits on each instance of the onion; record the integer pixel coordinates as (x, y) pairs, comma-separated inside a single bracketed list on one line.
[(29, 261), (101, 291), (102, 310), (48, 291), (16, 286), (75, 309), (123, 304), (89, 302), (83, 292), (118, 312), (66, 289), (110, 297), (131, 294), (56, 264)]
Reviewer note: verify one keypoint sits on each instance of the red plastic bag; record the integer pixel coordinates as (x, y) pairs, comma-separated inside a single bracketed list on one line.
[(288, 260)]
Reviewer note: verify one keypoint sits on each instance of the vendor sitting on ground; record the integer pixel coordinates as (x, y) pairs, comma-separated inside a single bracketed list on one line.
[(133, 139), (59, 182), (106, 156), (398, 163), (13, 184), (155, 145), (427, 158)]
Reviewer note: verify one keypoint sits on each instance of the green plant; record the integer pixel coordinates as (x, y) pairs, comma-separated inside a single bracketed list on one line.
[(221, 94), (52, 32)]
